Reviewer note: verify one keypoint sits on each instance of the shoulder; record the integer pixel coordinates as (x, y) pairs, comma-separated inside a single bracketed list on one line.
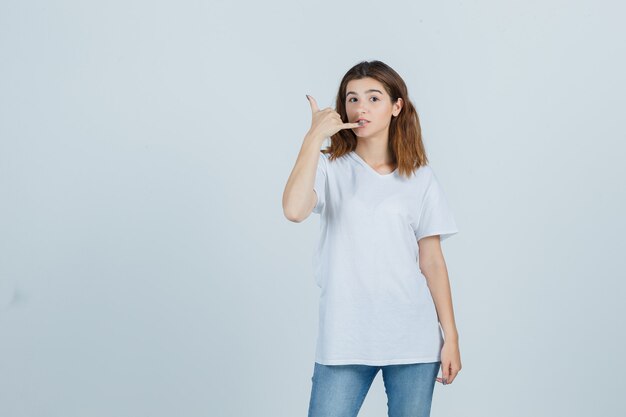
[(325, 158), (426, 170), (424, 173)]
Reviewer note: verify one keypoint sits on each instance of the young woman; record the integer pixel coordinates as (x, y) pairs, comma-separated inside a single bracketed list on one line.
[(385, 294)]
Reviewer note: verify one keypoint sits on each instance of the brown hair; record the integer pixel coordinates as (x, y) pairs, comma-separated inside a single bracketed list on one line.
[(405, 133)]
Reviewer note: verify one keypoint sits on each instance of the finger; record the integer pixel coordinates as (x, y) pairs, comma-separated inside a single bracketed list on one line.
[(350, 125), (445, 372), (313, 103), (449, 378), (452, 375)]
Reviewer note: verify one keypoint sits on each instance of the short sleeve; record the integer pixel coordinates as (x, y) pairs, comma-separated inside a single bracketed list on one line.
[(436, 217), (320, 183)]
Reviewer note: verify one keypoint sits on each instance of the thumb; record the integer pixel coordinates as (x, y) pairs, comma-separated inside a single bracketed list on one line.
[(313, 103)]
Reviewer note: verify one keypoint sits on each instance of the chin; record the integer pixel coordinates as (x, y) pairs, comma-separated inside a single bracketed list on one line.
[(365, 135)]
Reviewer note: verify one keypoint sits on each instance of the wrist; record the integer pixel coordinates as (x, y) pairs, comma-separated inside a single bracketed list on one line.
[(314, 137), (453, 338)]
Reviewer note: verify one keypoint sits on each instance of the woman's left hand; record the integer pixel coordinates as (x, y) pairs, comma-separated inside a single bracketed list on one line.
[(450, 362)]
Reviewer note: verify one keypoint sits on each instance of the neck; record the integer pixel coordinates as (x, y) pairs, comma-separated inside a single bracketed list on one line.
[(374, 151)]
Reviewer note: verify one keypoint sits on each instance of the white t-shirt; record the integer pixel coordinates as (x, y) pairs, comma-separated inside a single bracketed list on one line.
[(375, 305)]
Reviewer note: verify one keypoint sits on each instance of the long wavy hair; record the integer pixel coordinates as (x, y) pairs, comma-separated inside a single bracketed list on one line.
[(405, 132)]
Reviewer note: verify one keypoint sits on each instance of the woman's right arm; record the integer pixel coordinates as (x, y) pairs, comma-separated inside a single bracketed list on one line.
[(299, 198)]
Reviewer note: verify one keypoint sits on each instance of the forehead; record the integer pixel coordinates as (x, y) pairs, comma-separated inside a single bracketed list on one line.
[(364, 84)]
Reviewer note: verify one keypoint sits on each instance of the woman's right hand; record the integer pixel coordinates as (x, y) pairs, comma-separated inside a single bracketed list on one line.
[(326, 122)]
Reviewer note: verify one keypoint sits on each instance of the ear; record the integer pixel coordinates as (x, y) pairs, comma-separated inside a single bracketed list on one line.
[(397, 107)]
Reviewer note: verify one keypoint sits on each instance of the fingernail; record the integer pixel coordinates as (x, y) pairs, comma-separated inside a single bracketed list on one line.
[(307, 96)]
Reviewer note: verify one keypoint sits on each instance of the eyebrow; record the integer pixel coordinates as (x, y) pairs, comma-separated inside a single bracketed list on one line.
[(368, 91)]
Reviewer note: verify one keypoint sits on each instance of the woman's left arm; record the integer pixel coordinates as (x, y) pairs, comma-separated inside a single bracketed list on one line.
[(433, 266)]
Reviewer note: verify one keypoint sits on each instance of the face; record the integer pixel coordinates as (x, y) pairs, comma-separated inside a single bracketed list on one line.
[(367, 99)]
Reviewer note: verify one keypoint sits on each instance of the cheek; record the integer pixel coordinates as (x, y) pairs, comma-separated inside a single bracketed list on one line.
[(382, 113)]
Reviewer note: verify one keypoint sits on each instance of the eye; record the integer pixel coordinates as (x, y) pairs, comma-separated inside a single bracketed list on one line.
[(374, 97), (350, 100)]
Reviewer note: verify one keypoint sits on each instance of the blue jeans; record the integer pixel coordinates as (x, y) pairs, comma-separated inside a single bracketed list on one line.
[(339, 390)]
